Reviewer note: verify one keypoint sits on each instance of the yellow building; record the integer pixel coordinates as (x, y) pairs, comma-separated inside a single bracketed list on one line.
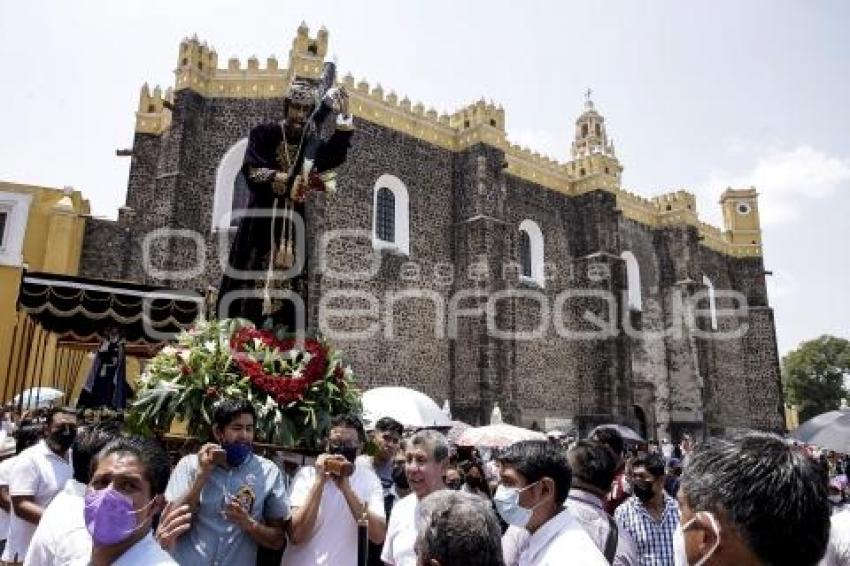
[(41, 229)]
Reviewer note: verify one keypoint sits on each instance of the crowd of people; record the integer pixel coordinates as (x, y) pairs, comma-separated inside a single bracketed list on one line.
[(77, 493)]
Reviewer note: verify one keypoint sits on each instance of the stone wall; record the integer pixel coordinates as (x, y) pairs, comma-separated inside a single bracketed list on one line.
[(465, 211)]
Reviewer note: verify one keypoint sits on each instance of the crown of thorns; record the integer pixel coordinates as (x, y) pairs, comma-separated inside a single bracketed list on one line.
[(302, 93)]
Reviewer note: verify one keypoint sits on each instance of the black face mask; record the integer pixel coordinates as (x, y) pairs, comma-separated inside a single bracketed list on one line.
[(350, 452), (454, 484), (474, 482), (643, 490), (399, 477), (63, 438)]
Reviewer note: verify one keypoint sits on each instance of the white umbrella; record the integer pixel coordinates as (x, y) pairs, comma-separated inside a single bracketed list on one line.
[(411, 408), (37, 397), (447, 409), (497, 436)]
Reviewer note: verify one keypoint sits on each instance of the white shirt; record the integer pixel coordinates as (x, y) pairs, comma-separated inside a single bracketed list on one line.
[(5, 472), (514, 542), (40, 473), (401, 533), (146, 552), (558, 540), (838, 549), (589, 511), (61, 537), (333, 541)]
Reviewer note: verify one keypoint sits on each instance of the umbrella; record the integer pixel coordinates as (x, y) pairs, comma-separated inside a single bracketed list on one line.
[(454, 433), (497, 436), (829, 430), (628, 434), (37, 397), (408, 406)]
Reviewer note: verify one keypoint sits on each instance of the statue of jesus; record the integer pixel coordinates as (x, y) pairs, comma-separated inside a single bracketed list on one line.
[(284, 161)]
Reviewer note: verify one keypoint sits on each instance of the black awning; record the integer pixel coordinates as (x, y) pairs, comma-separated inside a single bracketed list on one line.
[(81, 309)]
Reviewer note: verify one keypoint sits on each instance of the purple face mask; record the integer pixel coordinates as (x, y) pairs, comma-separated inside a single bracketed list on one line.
[(110, 517)]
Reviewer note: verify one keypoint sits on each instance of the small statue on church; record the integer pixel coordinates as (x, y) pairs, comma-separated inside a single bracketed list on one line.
[(284, 162)]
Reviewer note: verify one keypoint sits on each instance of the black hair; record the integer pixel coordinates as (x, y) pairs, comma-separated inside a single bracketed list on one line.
[(773, 494), (535, 460), (593, 464), (151, 455), (26, 436), (389, 424), (57, 411), (88, 443), (610, 437), (653, 462), (228, 410), (352, 421)]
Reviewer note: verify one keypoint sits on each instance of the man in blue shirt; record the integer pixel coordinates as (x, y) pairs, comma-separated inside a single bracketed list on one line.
[(237, 498)]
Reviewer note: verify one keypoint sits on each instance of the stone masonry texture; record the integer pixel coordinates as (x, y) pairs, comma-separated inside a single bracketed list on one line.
[(428, 317)]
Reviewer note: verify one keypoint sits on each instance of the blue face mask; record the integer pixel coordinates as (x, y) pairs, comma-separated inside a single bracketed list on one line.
[(507, 504), (237, 452)]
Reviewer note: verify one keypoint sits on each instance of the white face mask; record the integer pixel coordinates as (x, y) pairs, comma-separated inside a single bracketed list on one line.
[(680, 555), (507, 504)]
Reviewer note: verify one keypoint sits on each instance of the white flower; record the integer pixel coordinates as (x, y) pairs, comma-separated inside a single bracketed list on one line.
[(169, 350), (210, 345), (184, 354), (258, 344), (291, 354), (348, 373)]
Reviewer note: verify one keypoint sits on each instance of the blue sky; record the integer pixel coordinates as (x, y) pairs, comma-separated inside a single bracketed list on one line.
[(697, 95)]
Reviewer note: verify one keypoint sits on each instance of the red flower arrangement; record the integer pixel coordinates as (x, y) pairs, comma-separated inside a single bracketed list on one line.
[(295, 385)]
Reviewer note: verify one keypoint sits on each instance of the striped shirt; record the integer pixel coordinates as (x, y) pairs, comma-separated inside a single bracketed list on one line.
[(654, 539)]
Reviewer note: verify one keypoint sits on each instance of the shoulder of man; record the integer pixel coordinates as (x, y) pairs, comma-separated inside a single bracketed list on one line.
[(267, 130), (270, 470)]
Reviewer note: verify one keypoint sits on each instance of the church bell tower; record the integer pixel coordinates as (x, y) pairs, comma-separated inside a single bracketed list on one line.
[(592, 152)]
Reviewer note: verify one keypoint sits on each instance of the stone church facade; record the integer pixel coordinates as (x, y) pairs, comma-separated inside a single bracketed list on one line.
[(485, 273)]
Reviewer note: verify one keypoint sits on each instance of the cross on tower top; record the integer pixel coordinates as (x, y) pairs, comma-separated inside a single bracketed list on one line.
[(587, 94)]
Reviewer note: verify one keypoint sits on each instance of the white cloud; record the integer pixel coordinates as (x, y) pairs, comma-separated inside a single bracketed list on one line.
[(785, 180)]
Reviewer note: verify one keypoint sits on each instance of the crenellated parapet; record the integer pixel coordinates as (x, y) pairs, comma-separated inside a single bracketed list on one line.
[(480, 113), (154, 113), (593, 166), (679, 207)]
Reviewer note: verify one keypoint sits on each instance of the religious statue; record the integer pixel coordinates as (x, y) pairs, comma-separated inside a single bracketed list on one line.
[(106, 383), (284, 162)]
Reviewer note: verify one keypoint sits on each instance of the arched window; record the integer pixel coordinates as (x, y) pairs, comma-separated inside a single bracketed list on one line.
[(584, 130), (525, 253), (391, 215), (231, 189), (635, 301), (385, 224), (531, 252), (712, 301), (598, 130)]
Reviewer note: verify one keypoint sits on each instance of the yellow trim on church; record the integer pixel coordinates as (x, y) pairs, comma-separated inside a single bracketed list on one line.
[(481, 122)]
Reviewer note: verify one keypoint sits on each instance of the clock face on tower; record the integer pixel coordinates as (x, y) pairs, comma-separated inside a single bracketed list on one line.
[(743, 208)]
